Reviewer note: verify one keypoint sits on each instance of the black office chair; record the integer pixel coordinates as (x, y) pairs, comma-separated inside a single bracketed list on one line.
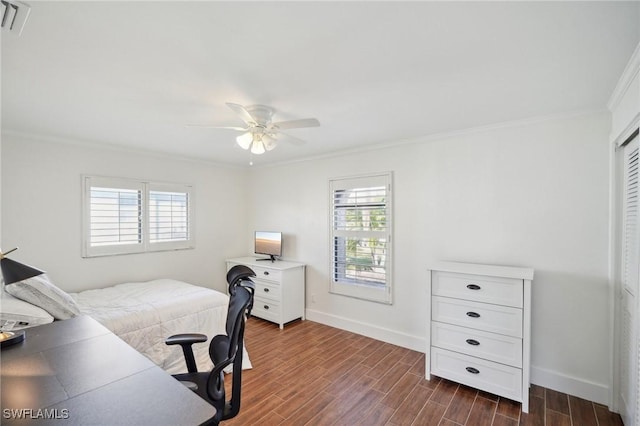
[(223, 349)]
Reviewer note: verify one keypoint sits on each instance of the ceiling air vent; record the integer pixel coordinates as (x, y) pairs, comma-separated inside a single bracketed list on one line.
[(14, 15)]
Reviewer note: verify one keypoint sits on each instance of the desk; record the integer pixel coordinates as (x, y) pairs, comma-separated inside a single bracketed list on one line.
[(77, 372)]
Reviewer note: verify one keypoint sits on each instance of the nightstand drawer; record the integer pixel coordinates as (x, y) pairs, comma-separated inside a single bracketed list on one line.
[(267, 274), (482, 344), (480, 316), (267, 290), (266, 309), (481, 374), (496, 290)]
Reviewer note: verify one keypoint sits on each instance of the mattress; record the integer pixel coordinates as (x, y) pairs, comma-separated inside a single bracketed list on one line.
[(144, 314)]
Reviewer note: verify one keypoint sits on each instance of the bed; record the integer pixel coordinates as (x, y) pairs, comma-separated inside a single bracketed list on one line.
[(144, 314)]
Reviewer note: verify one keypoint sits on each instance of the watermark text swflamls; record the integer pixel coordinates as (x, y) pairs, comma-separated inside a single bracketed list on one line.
[(34, 414)]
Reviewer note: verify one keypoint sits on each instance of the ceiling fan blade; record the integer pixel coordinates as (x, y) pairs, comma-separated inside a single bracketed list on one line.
[(202, 126), (296, 124), (243, 113), (292, 139)]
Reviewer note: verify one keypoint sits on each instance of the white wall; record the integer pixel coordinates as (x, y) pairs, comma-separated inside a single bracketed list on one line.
[(41, 213), (533, 194)]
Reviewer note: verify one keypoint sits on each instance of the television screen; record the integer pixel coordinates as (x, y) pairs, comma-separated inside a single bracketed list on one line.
[(268, 243)]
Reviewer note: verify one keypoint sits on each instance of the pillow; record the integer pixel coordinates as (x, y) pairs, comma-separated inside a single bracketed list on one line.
[(41, 292), (16, 314)]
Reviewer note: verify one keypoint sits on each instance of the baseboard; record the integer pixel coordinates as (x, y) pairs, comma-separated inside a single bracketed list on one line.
[(596, 392), (408, 341)]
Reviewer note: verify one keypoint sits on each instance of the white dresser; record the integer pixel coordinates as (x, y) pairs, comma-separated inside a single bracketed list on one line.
[(480, 329), (280, 288)]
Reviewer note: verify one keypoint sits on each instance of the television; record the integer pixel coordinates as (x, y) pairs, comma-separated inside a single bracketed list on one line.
[(268, 243)]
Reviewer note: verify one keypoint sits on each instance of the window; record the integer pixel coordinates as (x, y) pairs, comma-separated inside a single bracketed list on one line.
[(168, 216), (124, 216), (361, 237)]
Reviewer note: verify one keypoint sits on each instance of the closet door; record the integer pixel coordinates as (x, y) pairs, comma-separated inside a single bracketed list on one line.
[(629, 358)]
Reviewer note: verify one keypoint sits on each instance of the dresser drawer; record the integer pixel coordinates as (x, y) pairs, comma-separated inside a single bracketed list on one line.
[(267, 290), (267, 274), (497, 290), (266, 309), (482, 344), (481, 316), (489, 376)]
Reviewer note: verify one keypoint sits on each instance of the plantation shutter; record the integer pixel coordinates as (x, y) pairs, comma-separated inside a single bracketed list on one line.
[(122, 216), (168, 216), (361, 236), (114, 216)]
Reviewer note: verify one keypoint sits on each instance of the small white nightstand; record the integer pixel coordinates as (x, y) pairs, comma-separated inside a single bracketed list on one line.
[(280, 288)]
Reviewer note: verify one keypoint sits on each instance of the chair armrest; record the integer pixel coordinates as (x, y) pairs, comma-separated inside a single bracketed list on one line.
[(186, 341), (187, 338)]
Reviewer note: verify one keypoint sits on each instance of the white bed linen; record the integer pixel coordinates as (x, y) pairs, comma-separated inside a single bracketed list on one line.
[(144, 314)]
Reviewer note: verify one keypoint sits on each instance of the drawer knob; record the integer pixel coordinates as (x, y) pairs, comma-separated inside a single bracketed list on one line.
[(473, 342), (266, 272), (472, 370), (473, 286), (266, 307), (473, 314), (266, 290)]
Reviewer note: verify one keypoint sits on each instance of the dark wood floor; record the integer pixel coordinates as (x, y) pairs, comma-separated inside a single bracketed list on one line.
[(312, 374)]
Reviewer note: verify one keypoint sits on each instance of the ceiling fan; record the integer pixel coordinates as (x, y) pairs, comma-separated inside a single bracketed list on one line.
[(261, 133)]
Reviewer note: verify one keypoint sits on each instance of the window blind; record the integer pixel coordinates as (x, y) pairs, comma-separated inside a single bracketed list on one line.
[(361, 236), (168, 216), (360, 231), (115, 216), (122, 216)]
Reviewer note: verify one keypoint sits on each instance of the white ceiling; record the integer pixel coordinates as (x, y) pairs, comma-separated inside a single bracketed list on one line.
[(135, 73)]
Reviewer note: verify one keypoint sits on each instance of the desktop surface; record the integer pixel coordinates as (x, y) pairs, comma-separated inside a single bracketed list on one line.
[(77, 372)]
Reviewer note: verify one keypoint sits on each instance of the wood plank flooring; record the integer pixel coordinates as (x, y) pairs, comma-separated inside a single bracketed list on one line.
[(312, 374)]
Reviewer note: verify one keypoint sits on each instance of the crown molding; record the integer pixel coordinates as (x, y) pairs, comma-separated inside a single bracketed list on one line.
[(630, 72), (112, 147), (434, 137)]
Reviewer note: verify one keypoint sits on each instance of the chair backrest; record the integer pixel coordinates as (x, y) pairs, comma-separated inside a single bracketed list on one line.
[(226, 350), (240, 305), (237, 273)]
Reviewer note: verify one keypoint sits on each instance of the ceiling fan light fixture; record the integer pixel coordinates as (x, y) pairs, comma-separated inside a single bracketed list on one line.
[(269, 142), (257, 147), (260, 134), (245, 140)]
